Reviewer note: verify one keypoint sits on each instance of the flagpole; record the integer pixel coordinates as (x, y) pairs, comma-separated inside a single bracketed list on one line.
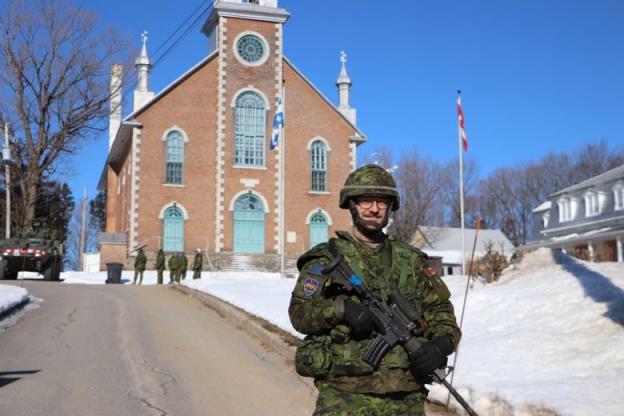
[(461, 190), (460, 144), (282, 145)]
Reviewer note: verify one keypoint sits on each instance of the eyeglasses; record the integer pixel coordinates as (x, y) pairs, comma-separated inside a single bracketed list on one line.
[(367, 202)]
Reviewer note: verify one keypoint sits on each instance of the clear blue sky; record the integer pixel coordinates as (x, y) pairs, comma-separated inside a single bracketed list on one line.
[(536, 76)]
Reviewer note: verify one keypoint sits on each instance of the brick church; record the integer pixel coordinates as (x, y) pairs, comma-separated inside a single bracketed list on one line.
[(191, 166)]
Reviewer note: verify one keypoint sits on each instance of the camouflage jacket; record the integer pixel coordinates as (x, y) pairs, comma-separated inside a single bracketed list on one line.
[(328, 354), (160, 262), (139, 261), (198, 262), (183, 263), (173, 263)]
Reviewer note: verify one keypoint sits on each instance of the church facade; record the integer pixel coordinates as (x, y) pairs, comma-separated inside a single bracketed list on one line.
[(192, 166)]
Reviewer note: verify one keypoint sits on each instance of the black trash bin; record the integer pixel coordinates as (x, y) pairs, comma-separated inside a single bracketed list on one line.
[(113, 272)]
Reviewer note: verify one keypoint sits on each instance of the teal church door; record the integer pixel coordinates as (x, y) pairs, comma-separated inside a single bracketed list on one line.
[(173, 233), (248, 225), (318, 229)]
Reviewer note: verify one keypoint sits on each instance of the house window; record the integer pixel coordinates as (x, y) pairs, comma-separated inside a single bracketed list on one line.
[(592, 208), (175, 157), (318, 156), (250, 126), (546, 219), (618, 196), (565, 210)]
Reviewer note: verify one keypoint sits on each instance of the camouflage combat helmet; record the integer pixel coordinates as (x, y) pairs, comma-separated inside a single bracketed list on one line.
[(369, 180)]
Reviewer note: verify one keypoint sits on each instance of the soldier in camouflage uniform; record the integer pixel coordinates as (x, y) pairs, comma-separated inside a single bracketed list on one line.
[(183, 265), (160, 265), (339, 328), (139, 266), (173, 268), (198, 262)]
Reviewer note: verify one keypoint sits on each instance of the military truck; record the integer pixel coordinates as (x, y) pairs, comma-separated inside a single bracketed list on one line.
[(33, 251)]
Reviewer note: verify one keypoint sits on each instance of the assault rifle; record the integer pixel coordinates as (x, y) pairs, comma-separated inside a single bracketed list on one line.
[(397, 320)]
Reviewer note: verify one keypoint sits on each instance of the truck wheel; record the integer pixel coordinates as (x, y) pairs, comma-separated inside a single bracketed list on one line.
[(11, 274), (48, 273), (57, 270)]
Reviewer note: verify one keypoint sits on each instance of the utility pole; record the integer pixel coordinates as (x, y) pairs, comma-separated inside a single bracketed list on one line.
[(6, 156), (83, 227)]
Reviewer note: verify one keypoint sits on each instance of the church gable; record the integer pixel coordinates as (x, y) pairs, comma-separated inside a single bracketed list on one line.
[(306, 96)]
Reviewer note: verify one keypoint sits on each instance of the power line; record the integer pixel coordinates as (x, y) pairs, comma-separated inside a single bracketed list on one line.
[(134, 77), (183, 35), (179, 27)]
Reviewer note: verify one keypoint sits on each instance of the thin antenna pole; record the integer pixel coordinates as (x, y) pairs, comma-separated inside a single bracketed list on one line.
[(7, 179), (83, 228), (461, 318)]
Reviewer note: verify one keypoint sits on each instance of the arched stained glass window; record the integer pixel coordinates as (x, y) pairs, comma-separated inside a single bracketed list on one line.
[(318, 229), (173, 229), (175, 157), (250, 126), (318, 156)]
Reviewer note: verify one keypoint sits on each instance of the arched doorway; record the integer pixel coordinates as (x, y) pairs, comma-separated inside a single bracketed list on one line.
[(173, 229), (248, 224), (318, 229)]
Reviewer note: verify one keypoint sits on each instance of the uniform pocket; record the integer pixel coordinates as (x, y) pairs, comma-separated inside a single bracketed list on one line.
[(347, 359), (313, 357)]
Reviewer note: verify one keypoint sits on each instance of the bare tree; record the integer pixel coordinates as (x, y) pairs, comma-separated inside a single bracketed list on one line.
[(54, 86), (421, 182), (451, 192), (508, 195), (594, 159)]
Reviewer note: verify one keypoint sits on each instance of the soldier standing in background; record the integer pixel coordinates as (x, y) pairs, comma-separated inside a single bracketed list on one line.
[(183, 266), (139, 266), (198, 262), (339, 328), (160, 265), (173, 268)]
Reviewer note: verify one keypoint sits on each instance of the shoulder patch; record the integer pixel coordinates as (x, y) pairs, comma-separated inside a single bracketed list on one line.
[(310, 286), (430, 272)]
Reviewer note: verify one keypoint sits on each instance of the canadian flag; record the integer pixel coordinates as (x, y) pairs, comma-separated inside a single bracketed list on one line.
[(462, 131)]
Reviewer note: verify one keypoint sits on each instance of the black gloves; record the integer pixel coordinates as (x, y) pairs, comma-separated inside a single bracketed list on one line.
[(356, 315), (429, 357)]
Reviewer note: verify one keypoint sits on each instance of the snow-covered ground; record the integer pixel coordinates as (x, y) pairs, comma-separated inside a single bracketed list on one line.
[(548, 335), (11, 296)]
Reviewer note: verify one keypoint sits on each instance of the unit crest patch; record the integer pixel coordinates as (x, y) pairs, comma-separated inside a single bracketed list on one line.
[(310, 286)]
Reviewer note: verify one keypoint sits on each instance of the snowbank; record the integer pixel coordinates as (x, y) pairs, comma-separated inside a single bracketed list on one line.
[(548, 334), (11, 296)]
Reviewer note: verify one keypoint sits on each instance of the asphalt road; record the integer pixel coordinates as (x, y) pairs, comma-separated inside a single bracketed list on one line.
[(126, 350)]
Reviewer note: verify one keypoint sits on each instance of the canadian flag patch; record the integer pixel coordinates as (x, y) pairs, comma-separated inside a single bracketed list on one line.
[(430, 271)]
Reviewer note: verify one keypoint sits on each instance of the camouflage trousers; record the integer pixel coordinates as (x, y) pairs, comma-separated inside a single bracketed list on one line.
[(138, 273), (336, 402)]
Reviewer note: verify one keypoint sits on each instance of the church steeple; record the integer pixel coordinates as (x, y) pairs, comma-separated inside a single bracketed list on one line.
[(259, 10), (344, 89), (143, 64)]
